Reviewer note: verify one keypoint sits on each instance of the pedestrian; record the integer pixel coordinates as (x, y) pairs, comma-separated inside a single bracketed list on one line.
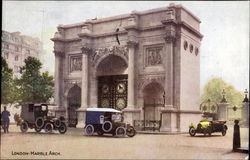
[(236, 137), (5, 120)]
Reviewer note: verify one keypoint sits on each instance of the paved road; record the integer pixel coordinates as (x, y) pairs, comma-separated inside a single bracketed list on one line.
[(74, 145)]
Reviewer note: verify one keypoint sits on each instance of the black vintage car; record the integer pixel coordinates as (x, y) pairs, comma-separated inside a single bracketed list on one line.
[(35, 115), (107, 120), (208, 127)]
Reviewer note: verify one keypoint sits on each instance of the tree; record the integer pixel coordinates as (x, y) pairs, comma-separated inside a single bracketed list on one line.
[(9, 92), (213, 91), (33, 85)]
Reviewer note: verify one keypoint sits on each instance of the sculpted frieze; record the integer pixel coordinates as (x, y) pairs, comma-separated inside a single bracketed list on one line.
[(153, 56), (98, 53), (75, 63)]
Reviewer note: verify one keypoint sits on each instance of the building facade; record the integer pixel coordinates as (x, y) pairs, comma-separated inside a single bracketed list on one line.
[(146, 64), (16, 48)]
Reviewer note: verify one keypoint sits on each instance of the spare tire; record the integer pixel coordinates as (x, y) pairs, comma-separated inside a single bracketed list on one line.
[(39, 122), (107, 126)]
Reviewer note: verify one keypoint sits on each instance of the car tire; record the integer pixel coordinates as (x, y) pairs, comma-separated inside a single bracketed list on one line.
[(38, 129), (131, 131), (24, 127), (62, 128), (39, 122), (192, 131), (107, 126), (48, 127), (224, 130), (57, 123), (89, 130), (120, 132)]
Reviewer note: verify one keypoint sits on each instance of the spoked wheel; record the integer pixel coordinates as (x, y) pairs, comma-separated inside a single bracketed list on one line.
[(107, 126), (89, 129), (24, 127), (192, 131), (39, 122), (120, 132), (57, 123), (100, 132), (131, 131), (38, 129), (224, 130), (62, 129), (48, 127)]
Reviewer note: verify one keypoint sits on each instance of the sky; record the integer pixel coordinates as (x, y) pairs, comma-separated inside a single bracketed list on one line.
[(225, 26)]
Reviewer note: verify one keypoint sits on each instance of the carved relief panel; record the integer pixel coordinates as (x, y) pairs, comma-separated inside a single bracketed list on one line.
[(153, 56), (75, 63)]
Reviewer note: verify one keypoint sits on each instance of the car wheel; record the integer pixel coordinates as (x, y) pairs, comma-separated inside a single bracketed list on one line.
[(192, 131), (57, 123), (48, 127), (107, 126), (39, 122), (38, 129), (62, 129), (224, 131), (100, 132), (89, 130), (131, 131), (120, 131), (24, 127)]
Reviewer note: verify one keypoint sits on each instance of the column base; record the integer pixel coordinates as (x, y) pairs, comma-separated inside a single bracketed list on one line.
[(81, 116), (130, 115), (169, 120)]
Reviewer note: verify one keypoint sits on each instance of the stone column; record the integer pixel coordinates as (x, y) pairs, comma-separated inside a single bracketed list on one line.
[(58, 77), (131, 75), (81, 112), (84, 94), (245, 113), (169, 72)]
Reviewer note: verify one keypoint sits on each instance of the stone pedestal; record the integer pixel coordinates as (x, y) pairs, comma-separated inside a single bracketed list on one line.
[(169, 120), (245, 113), (81, 116), (222, 111), (130, 115)]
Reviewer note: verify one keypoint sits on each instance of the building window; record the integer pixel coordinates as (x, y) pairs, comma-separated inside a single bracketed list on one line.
[(185, 45), (7, 46), (16, 58), (6, 55), (191, 48)]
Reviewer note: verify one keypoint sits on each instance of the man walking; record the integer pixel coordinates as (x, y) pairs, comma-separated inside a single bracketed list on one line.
[(5, 120)]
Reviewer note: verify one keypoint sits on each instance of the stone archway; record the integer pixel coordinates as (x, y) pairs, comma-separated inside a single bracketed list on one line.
[(112, 76), (74, 102), (153, 103)]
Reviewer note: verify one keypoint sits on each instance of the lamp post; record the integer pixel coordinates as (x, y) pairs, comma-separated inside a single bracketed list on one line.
[(223, 96), (246, 99), (164, 98)]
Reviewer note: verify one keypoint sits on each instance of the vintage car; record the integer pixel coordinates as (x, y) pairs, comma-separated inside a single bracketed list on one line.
[(107, 120), (35, 115), (208, 127)]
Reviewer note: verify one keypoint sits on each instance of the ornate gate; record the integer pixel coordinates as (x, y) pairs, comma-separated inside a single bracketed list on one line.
[(112, 91)]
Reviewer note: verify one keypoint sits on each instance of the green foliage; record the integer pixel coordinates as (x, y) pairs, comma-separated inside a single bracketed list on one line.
[(34, 86), (8, 88), (213, 91)]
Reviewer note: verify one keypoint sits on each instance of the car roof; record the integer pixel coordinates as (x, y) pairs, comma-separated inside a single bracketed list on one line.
[(103, 110)]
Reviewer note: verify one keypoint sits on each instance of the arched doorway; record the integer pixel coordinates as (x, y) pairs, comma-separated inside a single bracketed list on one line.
[(112, 82), (74, 102), (153, 97)]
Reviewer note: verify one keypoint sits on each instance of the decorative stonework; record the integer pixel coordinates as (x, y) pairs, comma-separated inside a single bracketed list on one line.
[(144, 80), (153, 56), (191, 48), (196, 51), (75, 63), (185, 45), (98, 54)]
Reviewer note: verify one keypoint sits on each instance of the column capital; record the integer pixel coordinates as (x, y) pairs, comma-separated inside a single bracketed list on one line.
[(86, 50), (132, 43), (59, 53)]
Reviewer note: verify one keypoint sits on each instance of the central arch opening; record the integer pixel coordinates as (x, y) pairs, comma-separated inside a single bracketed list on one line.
[(112, 82)]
